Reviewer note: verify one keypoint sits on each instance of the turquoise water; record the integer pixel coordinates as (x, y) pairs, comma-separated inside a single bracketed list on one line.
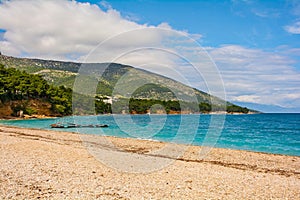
[(271, 133)]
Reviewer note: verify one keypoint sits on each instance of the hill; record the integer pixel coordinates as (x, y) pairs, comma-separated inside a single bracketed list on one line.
[(23, 93), (113, 84), (64, 73)]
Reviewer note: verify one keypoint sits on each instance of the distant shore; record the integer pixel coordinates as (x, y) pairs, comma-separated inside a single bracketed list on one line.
[(56, 165), (27, 117), (51, 116)]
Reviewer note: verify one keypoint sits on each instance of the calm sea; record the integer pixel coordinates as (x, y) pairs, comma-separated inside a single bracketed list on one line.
[(271, 133)]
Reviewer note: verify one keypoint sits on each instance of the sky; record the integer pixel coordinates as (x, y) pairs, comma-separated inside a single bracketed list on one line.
[(254, 46)]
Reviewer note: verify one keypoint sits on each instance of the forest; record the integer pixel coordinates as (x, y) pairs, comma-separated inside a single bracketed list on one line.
[(16, 85)]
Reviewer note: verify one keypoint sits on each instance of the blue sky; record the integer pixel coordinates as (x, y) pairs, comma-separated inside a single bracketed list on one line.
[(255, 44), (248, 23)]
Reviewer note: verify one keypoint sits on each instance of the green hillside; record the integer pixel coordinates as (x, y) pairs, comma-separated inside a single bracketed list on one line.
[(20, 91), (121, 81)]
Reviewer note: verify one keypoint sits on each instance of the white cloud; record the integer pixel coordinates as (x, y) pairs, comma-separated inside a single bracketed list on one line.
[(56, 28), (265, 12), (8, 48), (295, 10), (294, 29), (256, 76), (106, 5), (247, 98)]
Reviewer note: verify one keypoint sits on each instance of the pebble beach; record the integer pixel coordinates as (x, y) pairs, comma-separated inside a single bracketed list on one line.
[(41, 164)]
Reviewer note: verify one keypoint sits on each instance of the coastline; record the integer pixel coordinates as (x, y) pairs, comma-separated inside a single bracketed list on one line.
[(52, 164), (34, 116), (28, 117)]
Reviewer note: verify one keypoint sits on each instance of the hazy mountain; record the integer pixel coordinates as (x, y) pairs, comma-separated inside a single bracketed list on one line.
[(268, 108)]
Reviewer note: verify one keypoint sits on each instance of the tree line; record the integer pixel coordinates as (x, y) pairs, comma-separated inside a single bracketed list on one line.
[(16, 85)]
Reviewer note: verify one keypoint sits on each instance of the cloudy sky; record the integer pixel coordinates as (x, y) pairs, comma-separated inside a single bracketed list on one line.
[(254, 46)]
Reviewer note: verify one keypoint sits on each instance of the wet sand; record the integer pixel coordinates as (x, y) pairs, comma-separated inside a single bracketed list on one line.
[(40, 164)]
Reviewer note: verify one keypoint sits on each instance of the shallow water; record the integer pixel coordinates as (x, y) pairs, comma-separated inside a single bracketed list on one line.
[(271, 133)]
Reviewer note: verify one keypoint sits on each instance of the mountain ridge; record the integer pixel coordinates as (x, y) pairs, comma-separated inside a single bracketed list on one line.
[(65, 72)]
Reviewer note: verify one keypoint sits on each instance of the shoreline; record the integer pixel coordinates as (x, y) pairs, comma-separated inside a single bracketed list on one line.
[(26, 117), (146, 140), (53, 164), (142, 139)]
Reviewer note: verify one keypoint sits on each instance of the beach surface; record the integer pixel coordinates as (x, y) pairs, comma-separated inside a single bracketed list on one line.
[(41, 164)]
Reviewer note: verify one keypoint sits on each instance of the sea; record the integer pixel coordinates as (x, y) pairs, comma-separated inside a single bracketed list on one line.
[(269, 133)]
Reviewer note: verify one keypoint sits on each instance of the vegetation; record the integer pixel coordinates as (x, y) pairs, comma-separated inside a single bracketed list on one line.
[(18, 85), (153, 91), (142, 106), (50, 82), (108, 74), (101, 107), (235, 108)]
